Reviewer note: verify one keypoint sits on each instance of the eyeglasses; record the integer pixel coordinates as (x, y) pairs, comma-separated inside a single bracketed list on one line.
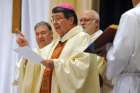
[(86, 19), (59, 19)]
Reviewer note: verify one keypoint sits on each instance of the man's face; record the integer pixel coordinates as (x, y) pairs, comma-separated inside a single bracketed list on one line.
[(61, 24), (86, 19), (88, 22), (43, 36)]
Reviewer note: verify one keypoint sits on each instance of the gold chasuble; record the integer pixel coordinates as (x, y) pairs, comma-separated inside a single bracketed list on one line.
[(47, 76)]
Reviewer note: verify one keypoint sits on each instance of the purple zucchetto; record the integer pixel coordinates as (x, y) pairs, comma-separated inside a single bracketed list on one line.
[(66, 5)]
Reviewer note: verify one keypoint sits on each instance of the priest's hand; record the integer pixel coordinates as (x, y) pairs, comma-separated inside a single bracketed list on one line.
[(48, 63), (21, 40)]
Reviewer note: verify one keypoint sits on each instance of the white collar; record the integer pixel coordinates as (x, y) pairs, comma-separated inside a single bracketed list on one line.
[(96, 33), (75, 30)]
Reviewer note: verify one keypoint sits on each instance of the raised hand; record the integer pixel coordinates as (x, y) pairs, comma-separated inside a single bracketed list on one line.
[(21, 40)]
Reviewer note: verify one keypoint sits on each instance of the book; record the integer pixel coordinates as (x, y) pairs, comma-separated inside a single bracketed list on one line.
[(105, 38)]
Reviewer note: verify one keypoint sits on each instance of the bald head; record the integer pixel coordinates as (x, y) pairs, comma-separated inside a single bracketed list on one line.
[(90, 17), (91, 14)]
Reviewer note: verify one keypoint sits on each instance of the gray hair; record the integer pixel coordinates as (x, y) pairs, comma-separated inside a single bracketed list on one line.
[(43, 23)]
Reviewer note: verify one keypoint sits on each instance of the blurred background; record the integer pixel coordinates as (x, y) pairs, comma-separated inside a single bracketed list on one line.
[(22, 15)]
